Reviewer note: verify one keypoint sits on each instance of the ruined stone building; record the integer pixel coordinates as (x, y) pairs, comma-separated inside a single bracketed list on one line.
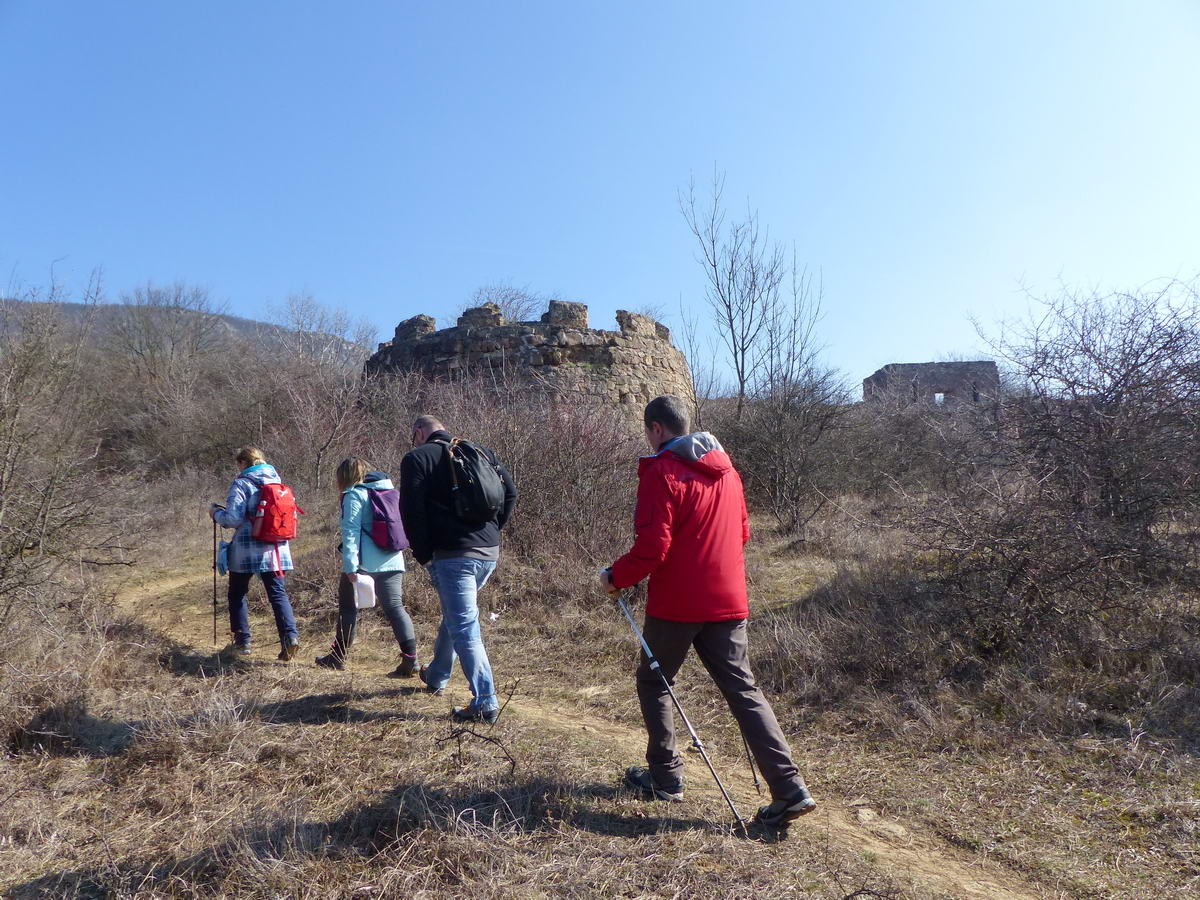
[(560, 354), (935, 383)]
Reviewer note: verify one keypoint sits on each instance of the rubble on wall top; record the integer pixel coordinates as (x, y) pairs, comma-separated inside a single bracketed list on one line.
[(560, 314)]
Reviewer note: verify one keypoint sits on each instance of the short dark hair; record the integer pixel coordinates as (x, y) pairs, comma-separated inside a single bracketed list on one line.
[(429, 422), (668, 411)]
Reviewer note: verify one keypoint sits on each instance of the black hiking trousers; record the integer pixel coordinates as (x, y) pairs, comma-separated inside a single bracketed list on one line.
[(721, 646)]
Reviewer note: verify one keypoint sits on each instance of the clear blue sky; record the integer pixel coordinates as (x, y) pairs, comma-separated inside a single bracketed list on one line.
[(928, 158)]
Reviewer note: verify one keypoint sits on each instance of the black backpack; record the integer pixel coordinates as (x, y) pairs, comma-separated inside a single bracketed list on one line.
[(476, 489)]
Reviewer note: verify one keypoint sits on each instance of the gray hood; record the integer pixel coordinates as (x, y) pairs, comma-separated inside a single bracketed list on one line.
[(693, 446)]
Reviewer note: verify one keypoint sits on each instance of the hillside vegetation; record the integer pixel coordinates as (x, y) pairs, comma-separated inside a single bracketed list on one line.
[(979, 631)]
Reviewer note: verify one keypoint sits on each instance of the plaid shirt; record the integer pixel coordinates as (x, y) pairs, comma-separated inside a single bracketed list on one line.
[(245, 553)]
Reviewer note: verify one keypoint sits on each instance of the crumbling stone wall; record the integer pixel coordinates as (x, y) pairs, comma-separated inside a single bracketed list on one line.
[(559, 354), (943, 383)]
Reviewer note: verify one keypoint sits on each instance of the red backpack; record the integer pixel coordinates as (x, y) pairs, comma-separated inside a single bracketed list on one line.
[(276, 517)]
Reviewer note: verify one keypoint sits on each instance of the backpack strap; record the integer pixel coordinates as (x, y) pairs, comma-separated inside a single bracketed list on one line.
[(453, 471), (362, 519)]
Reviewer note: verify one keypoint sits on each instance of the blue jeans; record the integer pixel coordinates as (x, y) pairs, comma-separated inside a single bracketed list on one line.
[(239, 612), (457, 582)]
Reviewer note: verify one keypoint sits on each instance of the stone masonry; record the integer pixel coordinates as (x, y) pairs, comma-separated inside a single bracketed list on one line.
[(941, 383), (559, 354)]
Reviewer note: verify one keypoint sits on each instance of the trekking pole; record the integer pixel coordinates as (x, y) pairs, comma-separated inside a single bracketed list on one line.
[(741, 823), (750, 759), (214, 582)]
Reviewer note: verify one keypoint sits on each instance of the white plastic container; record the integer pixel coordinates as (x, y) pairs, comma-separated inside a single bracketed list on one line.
[(364, 590)]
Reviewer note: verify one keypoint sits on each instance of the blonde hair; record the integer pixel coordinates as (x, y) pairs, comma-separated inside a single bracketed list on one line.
[(350, 471), (250, 456)]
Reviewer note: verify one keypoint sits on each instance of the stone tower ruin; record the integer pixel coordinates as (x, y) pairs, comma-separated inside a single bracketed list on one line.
[(938, 383), (560, 354)]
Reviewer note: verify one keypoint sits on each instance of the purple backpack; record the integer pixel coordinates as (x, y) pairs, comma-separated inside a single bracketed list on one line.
[(387, 530)]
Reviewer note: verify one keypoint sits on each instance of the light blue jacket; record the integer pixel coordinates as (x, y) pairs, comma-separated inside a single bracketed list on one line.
[(359, 552), (245, 553)]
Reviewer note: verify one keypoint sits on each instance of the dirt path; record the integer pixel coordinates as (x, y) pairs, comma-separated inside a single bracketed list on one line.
[(906, 852), (923, 858)]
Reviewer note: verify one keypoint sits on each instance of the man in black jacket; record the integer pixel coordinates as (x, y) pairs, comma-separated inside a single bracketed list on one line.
[(460, 557)]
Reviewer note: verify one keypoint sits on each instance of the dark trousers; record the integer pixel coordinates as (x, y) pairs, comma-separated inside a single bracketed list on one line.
[(239, 612), (389, 597), (721, 646)]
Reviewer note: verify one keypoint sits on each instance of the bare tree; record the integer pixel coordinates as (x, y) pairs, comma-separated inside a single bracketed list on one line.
[(164, 331), (517, 304), (316, 386), (744, 271), (704, 381), (319, 333), (55, 508), (795, 401)]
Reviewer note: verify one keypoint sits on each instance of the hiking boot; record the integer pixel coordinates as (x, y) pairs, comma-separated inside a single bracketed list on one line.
[(406, 669), (475, 714), (241, 648), (640, 779), (423, 674), (289, 651), (331, 661), (779, 813)]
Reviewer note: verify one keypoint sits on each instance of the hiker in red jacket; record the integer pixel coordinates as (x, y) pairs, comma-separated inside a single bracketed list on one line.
[(691, 525)]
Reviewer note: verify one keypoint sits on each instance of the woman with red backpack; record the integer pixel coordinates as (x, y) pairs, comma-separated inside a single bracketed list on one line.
[(373, 543), (257, 495)]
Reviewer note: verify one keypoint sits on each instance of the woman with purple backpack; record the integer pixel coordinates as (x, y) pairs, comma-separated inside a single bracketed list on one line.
[(373, 543)]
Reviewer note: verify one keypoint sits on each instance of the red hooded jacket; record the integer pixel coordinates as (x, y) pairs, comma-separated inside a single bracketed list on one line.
[(691, 526)]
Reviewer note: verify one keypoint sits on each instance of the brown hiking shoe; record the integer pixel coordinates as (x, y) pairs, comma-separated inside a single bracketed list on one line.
[(406, 669)]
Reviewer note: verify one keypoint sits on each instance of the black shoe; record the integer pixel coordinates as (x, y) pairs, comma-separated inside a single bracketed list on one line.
[(331, 661), (781, 812), (640, 779), (475, 714), (238, 649), (422, 673), (406, 669), (289, 651)]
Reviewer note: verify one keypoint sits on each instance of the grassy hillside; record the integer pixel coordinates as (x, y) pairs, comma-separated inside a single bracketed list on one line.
[(978, 629), (149, 765)]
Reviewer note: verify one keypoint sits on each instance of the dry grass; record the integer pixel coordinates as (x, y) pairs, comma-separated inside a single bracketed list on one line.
[(142, 764), (267, 780), (1007, 761)]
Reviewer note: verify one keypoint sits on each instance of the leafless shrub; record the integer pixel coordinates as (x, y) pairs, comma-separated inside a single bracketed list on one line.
[(782, 440), (311, 390), (1051, 540), (318, 334), (573, 465), (1083, 499), (517, 304), (163, 332), (58, 510)]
